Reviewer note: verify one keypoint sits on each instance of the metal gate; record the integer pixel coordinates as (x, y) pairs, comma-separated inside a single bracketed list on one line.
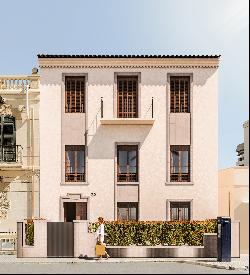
[(60, 239)]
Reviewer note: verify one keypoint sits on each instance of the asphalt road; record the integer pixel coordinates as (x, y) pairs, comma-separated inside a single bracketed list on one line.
[(103, 267)]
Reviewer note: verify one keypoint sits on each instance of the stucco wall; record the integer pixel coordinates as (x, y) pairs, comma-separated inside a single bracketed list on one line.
[(154, 187)]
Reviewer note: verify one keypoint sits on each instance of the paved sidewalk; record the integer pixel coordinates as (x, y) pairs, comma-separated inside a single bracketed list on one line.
[(241, 263)]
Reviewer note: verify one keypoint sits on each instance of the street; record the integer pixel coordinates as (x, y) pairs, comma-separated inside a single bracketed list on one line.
[(103, 267)]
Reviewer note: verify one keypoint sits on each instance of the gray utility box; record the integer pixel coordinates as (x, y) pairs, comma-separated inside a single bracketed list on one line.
[(224, 239)]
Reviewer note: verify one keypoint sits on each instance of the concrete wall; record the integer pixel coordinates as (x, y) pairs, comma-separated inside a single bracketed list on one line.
[(234, 199), (154, 140)]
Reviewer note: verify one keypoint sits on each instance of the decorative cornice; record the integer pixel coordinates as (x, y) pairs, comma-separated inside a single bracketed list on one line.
[(110, 62), (54, 66)]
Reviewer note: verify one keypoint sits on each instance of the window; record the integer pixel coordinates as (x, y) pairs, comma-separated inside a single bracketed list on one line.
[(180, 163), (180, 94), (8, 146), (179, 211), (127, 211), (74, 94), (127, 169), (127, 97), (74, 163)]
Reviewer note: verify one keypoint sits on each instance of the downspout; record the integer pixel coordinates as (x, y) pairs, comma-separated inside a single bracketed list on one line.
[(27, 100), (32, 162)]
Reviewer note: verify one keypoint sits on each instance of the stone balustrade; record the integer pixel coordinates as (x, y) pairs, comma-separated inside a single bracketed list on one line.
[(14, 83)]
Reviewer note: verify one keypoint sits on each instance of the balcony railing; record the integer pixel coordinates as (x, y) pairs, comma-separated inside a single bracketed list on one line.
[(180, 177), (75, 177), (15, 83), (11, 153), (127, 177)]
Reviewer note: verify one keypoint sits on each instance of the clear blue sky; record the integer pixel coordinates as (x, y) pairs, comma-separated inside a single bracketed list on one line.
[(138, 27)]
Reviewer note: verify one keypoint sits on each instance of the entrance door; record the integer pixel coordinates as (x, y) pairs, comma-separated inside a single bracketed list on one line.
[(75, 211)]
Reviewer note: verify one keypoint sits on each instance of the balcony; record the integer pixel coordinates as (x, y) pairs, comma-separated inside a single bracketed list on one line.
[(16, 84), (10, 156), (127, 116)]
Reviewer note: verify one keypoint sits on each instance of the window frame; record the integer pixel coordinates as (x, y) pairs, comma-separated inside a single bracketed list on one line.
[(67, 109), (128, 206), (82, 176), (181, 177), (186, 94), (125, 147), (168, 205)]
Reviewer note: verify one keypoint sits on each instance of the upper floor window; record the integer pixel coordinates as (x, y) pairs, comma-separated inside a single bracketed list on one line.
[(180, 163), (179, 211), (127, 156), (180, 94), (8, 148), (74, 94), (127, 96), (74, 163)]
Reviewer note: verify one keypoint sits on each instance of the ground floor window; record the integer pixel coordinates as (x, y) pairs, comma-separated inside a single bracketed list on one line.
[(179, 211), (75, 211), (127, 211)]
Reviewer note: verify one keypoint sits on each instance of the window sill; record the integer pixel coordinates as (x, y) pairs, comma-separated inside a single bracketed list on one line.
[(70, 183), (181, 183), (127, 183)]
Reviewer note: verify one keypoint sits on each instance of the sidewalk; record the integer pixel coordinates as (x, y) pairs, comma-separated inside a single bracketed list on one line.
[(241, 263)]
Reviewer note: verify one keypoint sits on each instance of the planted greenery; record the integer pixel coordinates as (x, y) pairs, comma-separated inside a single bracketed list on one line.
[(124, 233), (29, 233)]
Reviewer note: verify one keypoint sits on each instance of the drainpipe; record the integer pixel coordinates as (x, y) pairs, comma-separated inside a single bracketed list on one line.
[(32, 162), (27, 100)]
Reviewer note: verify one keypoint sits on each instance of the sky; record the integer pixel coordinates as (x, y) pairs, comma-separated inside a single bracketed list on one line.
[(138, 27)]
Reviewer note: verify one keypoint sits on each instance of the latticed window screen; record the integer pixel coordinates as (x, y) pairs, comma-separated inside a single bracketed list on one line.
[(74, 163), (127, 97), (179, 211), (180, 94), (180, 163), (127, 164), (74, 94)]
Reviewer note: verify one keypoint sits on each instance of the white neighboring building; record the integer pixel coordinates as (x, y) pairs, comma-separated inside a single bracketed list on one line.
[(243, 148), (129, 137)]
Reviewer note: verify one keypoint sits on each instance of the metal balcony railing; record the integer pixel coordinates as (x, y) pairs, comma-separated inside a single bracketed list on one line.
[(11, 153)]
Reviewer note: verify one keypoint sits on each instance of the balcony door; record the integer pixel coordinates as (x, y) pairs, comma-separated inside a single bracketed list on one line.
[(7, 138)]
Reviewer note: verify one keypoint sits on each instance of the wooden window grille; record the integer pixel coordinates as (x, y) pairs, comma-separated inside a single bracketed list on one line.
[(180, 163), (127, 211), (179, 211), (74, 94), (127, 93), (180, 94), (74, 163), (127, 164)]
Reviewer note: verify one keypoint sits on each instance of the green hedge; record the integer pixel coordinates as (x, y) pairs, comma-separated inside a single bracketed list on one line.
[(123, 233), (29, 233)]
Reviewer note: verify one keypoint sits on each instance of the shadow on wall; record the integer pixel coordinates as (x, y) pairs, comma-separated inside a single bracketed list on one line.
[(102, 143), (106, 77), (241, 213)]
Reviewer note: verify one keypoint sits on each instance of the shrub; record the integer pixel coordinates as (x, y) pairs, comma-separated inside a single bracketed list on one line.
[(29, 233), (124, 233)]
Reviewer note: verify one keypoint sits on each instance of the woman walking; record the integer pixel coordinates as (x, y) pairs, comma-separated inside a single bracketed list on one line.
[(100, 232)]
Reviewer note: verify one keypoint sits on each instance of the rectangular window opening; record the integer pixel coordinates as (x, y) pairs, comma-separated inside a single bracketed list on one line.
[(74, 163), (127, 97), (75, 94), (127, 163), (127, 211), (179, 94), (179, 211), (180, 163)]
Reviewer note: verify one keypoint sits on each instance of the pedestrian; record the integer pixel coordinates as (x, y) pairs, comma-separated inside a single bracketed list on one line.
[(100, 237)]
